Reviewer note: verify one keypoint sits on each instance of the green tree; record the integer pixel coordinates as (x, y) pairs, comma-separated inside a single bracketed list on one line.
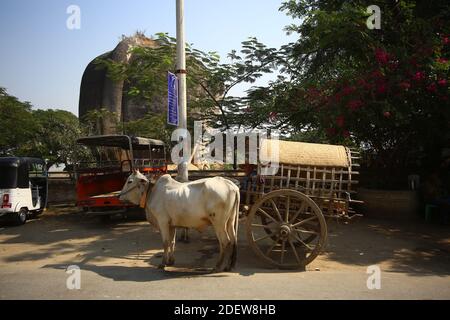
[(95, 121), (385, 90), (16, 124), (151, 126), (55, 136), (48, 134), (209, 81)]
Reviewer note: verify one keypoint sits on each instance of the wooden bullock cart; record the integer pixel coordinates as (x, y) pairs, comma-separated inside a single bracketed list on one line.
[(286, 212)]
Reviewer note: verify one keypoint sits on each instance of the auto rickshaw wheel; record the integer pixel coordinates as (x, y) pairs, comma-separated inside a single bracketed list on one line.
[(21, 216), (105, 218)]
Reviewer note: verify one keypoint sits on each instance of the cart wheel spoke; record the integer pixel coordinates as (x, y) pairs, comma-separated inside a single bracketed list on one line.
[(275, 243), (306, 231), (264, 226), (275, 208), (267, 215), (304, 244), (266, 236), (288, 203), (283, 248), (295, 252), (304, 221), (300, 210)]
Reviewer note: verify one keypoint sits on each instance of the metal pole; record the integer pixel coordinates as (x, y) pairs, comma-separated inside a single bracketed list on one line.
[(181, 74)]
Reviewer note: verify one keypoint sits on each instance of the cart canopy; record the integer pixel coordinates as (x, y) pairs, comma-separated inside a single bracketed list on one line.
[(305, 154)]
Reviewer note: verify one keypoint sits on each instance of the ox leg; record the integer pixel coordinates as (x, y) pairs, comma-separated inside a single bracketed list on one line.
[(231, 229), (172, 239), (165, 234), (184, 235), (225, 249)]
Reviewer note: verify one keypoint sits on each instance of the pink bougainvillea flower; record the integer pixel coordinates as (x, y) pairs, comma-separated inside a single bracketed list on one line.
[(443, 98), (340, 121), (362, 82), (331, 131), (354, 104), (442, 82), (445, 40), (347, 90), (405, 85), (387, 114), (273, 116), (313, 92), (368, 86), (393, 66), (419, 75), (413, 61), (432, 87), (377, 74), (381, 88), (381, 56), (346, 133), (442, 60), (338, 97)]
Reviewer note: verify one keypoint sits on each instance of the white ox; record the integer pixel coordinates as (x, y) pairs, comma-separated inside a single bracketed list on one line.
[(170, 204)]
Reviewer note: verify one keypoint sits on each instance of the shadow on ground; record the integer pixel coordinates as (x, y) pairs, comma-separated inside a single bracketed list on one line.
[(414, 248), (129, 250)]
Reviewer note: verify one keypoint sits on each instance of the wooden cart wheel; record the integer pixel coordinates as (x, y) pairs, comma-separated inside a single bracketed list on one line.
[(266, 221), (286, 229)]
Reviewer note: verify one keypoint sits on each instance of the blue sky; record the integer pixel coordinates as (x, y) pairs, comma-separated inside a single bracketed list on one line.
[(42, 61)]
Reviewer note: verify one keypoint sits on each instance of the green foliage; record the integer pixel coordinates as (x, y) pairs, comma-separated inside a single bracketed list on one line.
[(209, 81), (16, 123), (386, 90), (55, 136), (48, 134), (151, 126), (95, 120)]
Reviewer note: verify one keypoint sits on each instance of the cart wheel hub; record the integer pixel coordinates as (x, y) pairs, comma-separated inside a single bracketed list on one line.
[(285, 231)]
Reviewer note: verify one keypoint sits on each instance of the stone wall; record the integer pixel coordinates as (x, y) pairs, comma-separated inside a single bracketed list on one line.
[(390, 204), (61, 191)]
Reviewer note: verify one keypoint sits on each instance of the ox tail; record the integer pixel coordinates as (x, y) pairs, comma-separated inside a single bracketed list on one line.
[(236, 227)]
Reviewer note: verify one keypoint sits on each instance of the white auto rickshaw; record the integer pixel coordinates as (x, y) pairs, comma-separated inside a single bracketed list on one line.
[(23, 187)]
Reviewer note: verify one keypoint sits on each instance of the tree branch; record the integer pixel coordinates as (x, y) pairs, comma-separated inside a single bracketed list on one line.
[(218, 104)]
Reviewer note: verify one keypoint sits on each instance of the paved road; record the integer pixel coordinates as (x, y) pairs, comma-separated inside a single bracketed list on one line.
[(118, 261)]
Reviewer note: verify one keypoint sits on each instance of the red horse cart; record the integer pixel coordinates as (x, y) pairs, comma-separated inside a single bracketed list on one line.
[(107, 162)]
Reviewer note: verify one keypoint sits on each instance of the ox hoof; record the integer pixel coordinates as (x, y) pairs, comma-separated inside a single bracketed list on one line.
[(161, 266), (170, 263)]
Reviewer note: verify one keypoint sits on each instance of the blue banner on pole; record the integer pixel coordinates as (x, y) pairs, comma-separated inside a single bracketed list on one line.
[(172, 110)]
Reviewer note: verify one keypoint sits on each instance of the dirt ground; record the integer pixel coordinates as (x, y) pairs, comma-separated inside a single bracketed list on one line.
[(129, 251)]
